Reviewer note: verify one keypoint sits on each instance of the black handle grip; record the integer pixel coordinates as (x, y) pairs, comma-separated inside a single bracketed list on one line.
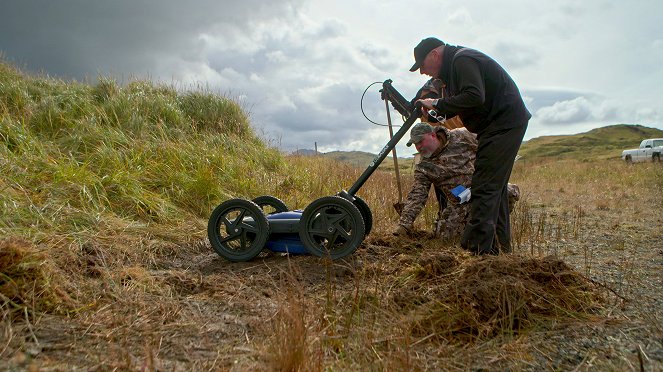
[(403, 106)]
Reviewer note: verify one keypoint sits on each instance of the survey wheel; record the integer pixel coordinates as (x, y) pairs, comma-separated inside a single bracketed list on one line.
[(331, 227), (238, 230), (366, 214), (270, 204)]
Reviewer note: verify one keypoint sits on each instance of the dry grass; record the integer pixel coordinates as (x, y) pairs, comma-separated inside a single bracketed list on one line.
[(497, 296), (105, 264), (29, 280), (395, 304)]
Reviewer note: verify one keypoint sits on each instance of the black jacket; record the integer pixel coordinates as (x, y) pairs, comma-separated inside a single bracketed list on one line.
[(480, 91)]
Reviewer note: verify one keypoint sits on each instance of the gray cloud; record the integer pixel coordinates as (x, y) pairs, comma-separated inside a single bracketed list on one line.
[(331, 116), (573, 111), (537, 99), (516, 56), (79, 39), (379, 57), (300, 67), (553, 107)]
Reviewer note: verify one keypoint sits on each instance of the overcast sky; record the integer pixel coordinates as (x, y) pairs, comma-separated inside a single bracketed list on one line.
[(299, 67)]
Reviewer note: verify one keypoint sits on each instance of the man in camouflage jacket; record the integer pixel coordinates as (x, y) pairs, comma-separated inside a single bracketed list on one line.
[(439, 171), (447, 161)]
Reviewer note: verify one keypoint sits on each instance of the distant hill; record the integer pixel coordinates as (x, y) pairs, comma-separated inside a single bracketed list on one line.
[(359, 159), (305, 152), (600, 143)]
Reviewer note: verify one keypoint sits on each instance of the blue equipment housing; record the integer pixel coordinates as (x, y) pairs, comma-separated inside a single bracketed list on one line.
[(284, 236)]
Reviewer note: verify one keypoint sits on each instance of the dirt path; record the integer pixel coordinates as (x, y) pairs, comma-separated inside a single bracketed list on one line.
[(623, 250)]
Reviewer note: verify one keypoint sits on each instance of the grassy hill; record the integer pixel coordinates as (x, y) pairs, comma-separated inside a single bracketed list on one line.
[(359, 159), (600, 143), (140, 152), (362, 159)]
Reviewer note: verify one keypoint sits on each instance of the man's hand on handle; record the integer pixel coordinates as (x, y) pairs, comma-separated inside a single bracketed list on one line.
[(428, 103)]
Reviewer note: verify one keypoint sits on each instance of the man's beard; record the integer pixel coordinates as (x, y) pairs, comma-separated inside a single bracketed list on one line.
[(426, 154)]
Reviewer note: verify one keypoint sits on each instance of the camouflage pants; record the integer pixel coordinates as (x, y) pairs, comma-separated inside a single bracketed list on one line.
[(452, 219), (451, 222)]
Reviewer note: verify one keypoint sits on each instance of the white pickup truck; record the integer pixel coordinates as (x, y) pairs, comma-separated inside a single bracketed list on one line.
[(650, 150)]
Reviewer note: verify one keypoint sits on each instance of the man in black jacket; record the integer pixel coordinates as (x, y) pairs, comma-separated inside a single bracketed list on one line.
[(488, 102)]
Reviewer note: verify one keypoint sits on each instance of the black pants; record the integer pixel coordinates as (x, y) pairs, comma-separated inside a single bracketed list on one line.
[(489, 229)]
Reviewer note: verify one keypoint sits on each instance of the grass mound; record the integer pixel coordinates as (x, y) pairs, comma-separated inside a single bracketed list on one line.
[(476, 299), (140, 152), (106, 176)]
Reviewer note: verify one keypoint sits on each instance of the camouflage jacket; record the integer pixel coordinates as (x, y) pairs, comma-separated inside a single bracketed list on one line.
[(451, 165)]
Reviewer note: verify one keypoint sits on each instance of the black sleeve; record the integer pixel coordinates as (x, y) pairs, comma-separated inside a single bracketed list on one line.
[(471, 89)]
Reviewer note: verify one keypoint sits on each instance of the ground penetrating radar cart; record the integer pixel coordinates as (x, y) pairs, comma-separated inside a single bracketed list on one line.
[(331, 226)]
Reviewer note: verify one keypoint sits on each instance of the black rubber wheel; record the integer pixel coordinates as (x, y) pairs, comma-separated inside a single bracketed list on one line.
[(366, 214), (331, 227), (270, 204), (656, 158), (238, 230), (628, 159)]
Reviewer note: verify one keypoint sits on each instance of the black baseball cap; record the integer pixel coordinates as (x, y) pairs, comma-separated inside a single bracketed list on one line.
[(422, 50)]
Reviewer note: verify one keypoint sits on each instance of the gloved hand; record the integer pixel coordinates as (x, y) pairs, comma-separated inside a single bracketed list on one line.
[(401, 230), (383, 94)]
